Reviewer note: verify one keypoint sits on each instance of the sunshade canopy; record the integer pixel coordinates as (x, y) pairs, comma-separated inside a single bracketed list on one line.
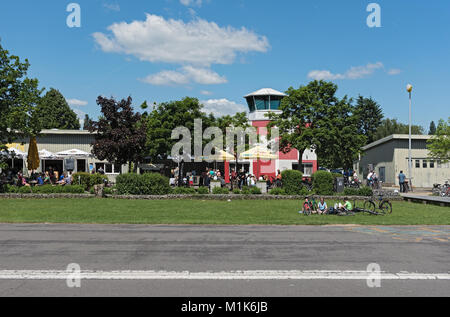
[(258, 153)]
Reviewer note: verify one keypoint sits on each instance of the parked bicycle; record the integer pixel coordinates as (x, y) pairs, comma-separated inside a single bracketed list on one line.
[(442, 190), (384, 206)]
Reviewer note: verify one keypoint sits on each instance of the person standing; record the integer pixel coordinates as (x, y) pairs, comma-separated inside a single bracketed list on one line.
[(401, 180)]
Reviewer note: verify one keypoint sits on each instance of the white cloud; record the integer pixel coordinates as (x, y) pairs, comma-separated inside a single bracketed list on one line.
[(197, 42), (80, 114), (394, 71), (184, 76), (76, 102), (189, 3), (112, 6), (220, 107), (206, 93), (356, 72)]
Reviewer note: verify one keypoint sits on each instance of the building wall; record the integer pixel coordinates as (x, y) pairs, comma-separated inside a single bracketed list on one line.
[(393, 156), (380, 156), (434, 172), (58, 141)]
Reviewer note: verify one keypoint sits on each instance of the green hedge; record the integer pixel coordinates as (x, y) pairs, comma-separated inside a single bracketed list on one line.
[(292, 182), (203, 191), (255, 191), (277, 191), (184, 191), (221, 191), (146, 184), (323, 183), (46, 189), (363, 191), (88, 180)]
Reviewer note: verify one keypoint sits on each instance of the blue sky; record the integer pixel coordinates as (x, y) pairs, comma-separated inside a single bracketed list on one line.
[(219, 50)]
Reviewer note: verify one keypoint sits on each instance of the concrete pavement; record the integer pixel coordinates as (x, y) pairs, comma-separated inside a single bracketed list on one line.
[(106, 248)]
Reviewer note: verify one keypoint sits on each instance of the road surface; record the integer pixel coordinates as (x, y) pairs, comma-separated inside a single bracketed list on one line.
[(249, 261)]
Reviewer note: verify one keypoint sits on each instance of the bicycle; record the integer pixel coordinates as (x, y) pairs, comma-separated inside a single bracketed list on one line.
[(384, 206)]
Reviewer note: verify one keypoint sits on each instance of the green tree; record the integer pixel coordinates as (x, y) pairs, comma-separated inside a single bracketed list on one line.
[(53, 112), (239, 120), (392, 126), (18, 98), (369, 116), (120, 136), (87, 122), (314, 118), (432, 130), (168, 116), (439, 145)]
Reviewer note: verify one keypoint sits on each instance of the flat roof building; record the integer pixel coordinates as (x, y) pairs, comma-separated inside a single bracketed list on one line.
[(388, 156)]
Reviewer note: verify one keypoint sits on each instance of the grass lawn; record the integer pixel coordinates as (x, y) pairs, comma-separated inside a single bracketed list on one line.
[(110, 211)]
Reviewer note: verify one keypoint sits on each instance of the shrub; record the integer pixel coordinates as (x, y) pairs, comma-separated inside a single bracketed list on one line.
[(83, 179), (292, 182), (365, 191), (88, 180), (323, 183), (277, 191), (245, 191), (203, 191), (255, 191), (146, 184), (183, 191), (11, 189), (236, 191), (351, 191), (221, 191), (24, 190), (73, 189)]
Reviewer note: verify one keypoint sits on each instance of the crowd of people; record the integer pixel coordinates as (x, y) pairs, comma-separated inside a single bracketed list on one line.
[(239, 179), (49, 177)]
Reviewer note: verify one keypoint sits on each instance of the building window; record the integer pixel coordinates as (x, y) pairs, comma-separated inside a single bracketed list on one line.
[(417, 163), (117, 169), (307, 169), (425, 164), (431, 164), (108, 168)]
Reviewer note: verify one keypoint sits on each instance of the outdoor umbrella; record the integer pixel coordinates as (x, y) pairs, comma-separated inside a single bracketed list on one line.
[(258, 153), (33, 155), (46, 155), (74, 152)]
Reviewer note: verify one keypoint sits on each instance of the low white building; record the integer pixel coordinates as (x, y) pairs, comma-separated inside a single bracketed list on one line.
[(389, 156)]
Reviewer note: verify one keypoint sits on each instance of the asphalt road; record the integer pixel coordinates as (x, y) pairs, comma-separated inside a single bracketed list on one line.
[(329, 250)]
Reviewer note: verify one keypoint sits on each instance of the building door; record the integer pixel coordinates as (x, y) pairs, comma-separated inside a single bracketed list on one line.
[(81, 165), (382, 173)]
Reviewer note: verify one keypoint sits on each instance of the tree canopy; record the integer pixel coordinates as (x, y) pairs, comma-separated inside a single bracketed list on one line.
[(439, 145), (120, 132), (392, 126), (369, 117), (53, 112), (432, 130), (314, 118), (18, 98), (168, 116)]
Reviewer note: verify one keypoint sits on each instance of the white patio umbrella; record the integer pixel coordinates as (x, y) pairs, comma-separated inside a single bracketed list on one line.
[(17, 152), (258, 153), (46, 155), (74, 152)]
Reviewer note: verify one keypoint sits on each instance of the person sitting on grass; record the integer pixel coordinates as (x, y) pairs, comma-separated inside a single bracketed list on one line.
[(307, 206), (347, 206), (322, 207)]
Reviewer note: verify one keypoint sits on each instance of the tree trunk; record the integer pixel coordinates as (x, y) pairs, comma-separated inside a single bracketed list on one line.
[(300, 160)]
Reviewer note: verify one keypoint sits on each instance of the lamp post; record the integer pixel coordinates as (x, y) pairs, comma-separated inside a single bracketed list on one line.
[(409, 88)]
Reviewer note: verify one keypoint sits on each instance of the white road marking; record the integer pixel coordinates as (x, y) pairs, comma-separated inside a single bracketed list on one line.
[(231, 275)]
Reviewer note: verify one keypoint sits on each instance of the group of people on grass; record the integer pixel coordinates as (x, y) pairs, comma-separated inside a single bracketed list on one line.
[(311, 207)]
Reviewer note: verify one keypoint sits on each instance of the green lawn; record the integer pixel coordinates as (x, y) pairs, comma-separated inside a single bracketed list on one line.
[(285, 212)]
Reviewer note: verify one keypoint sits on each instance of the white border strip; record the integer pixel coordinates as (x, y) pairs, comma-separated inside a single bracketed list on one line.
[(231, 275)]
